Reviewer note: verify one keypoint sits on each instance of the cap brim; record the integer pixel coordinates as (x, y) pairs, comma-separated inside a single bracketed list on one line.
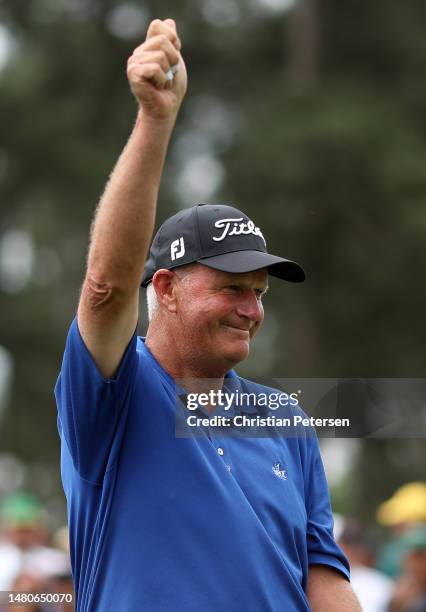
[(248, 261)]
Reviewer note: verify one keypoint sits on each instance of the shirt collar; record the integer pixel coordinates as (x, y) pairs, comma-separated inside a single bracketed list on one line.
[(231, 384)]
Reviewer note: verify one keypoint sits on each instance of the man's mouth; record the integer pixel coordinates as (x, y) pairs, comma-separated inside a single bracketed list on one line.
[(242, 330)]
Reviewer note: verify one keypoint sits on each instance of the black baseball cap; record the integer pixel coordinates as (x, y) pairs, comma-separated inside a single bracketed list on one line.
[(218, 236)]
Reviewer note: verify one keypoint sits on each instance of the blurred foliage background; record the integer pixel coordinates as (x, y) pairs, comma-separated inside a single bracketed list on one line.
[(308, 115)]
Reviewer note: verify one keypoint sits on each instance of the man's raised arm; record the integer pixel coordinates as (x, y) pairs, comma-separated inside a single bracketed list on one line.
[(124, 220)]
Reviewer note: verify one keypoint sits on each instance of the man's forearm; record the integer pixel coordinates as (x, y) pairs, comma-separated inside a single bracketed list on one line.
[(124, 220), (329, 591), (125, 217)]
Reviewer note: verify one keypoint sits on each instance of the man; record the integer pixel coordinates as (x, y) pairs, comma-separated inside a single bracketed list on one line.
[(160, 522)]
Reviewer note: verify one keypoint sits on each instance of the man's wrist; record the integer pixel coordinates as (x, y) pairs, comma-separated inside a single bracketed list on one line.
[(156, 123)]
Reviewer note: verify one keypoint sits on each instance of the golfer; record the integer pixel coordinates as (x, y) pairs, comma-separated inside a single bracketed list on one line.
[(197, 523)]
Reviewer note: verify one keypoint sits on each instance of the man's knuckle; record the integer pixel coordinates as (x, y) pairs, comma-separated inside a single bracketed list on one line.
[(130, 73), (163, 40), (161, 57)]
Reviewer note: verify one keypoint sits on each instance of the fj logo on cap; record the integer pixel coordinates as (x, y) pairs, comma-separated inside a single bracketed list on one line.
[(177, 249), (235, 227)]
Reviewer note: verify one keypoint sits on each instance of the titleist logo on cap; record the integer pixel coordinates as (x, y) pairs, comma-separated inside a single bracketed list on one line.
[(235, 227), (218, 236)]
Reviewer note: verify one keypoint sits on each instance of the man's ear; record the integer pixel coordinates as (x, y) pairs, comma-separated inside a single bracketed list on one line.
[(164, 283)]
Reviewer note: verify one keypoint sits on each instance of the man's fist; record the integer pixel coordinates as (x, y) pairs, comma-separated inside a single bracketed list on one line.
[(158, 95)]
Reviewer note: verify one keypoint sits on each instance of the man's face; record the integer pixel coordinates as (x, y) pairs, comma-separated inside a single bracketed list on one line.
[(219, 313)]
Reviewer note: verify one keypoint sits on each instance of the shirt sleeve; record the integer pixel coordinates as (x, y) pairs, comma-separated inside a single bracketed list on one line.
[(91, 409), (322, 547)]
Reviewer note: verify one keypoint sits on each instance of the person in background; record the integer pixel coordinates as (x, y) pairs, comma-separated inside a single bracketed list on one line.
[(403, 512), (373, 588), (410, 589), (23, 545)]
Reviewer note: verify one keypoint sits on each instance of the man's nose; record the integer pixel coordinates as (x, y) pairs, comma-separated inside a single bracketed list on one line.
[(250, 306)]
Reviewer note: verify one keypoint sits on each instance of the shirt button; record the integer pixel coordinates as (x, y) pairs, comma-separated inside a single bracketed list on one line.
[(220, 451)]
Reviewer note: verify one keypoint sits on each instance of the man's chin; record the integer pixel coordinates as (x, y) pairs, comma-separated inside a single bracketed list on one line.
[(239, 351)]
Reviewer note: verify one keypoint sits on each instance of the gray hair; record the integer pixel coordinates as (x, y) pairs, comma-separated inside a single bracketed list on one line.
[(151, 301), (151, 297)]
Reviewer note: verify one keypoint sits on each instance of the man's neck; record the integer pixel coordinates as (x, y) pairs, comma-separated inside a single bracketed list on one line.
[(183, 365)]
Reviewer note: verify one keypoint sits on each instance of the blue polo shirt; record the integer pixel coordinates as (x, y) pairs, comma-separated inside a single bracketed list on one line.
[(162, 523)]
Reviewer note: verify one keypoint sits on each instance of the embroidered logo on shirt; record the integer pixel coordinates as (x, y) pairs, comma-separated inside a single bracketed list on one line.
[(279, 472)]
